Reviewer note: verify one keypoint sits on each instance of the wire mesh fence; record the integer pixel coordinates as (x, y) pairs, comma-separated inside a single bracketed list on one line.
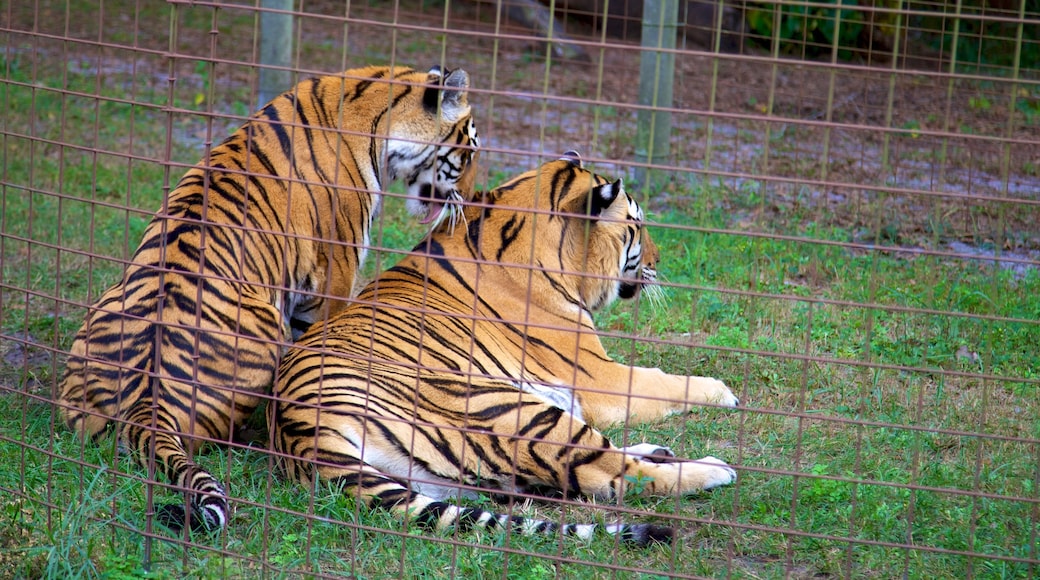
[(845, 200)]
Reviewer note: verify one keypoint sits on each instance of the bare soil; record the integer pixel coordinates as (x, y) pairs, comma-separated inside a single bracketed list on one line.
[(900, 157)]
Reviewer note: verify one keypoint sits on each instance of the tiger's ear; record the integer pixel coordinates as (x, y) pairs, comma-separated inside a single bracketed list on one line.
[(572, 157), (452, 97), (603, 196), (457, 83)]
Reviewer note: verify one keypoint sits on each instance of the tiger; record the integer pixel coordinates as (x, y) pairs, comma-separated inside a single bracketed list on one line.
[(260, 239), (474, 362)]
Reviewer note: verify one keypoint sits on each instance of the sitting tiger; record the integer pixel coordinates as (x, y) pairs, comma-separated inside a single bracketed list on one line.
[(475, 361), (244, 253)]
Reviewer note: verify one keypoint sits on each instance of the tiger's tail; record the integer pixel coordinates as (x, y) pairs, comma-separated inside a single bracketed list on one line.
[(208, 505), (206, 508), (378, 490)]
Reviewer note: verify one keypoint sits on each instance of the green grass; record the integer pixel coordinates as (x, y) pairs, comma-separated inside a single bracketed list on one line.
[(889, 398), (904, 400), (894, 427)]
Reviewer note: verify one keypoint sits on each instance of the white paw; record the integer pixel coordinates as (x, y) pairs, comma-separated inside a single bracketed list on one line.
[(649, 452), (724, 396), (716, 472)]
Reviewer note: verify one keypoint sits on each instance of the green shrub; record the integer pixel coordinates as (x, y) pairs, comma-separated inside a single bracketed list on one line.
[(809, 30), (817, 27), (981, 42)]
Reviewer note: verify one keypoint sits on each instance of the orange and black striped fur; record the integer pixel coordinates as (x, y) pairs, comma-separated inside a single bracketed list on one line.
[(475, 361), (243, 254)]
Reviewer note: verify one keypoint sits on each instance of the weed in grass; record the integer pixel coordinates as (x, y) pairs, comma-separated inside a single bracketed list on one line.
[(74, 540)]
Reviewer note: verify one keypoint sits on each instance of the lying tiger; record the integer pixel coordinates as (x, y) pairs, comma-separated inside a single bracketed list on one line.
[(456, 365)]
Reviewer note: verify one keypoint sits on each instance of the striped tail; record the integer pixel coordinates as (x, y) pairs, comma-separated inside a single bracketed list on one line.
[(386, 493), (209, 507), (205, 507)]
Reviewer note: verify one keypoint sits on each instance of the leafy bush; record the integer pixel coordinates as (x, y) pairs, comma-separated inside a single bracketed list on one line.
[(809, 30), (816, 27), (982, 42)]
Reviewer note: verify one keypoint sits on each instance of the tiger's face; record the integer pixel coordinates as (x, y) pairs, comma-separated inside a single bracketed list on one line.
[(625, 236), (584, 234), (642, 276), (436, 184)]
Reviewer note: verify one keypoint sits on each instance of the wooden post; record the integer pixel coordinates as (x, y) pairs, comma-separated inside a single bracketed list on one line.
[(276, 43), (656, 76)]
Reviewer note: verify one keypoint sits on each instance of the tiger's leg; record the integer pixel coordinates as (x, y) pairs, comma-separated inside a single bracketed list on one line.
[(556, 447), (103, 372), (620, 393), (87, 403)]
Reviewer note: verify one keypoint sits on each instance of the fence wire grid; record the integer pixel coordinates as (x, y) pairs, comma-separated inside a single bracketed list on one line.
[(846, 199)]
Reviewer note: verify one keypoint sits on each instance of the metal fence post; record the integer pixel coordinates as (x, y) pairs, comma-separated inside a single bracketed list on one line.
[(276, 42), (656, 75)]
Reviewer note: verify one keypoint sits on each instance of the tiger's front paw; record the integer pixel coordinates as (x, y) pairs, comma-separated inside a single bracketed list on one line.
[(650, 452), (697, 475), (715, 472), (710, 391)]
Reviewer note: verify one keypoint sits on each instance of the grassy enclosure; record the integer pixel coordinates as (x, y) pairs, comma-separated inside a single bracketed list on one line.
[(854, 249)]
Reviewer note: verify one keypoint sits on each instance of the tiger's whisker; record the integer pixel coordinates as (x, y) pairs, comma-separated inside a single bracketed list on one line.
[(653, 292), (458, 211), (452, 212)]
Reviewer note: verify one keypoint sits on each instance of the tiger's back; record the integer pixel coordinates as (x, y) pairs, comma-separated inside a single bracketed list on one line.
[(266, 233)]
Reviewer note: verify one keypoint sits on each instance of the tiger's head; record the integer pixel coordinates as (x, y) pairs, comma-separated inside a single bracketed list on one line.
[(433, 144), (580, 235)]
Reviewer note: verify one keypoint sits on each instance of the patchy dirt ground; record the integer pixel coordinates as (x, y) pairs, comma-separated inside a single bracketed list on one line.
[(910, 158)]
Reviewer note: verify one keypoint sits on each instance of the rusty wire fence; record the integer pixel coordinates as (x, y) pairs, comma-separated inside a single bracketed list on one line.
[(847, 204)]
